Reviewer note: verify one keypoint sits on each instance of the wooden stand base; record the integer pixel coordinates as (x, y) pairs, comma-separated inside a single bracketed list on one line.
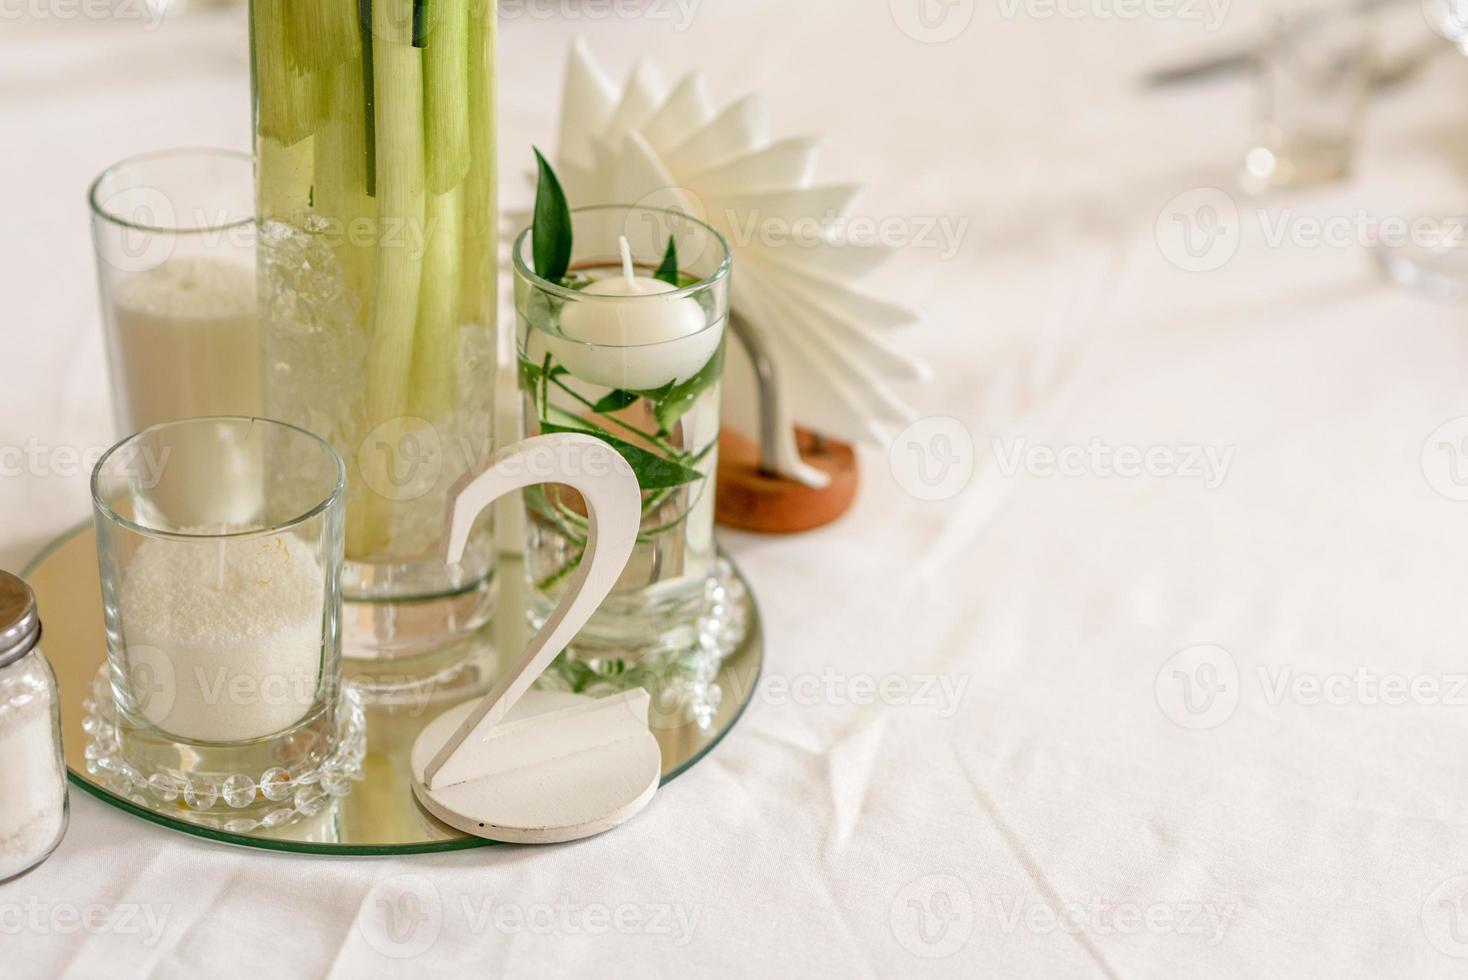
[(751, 500)]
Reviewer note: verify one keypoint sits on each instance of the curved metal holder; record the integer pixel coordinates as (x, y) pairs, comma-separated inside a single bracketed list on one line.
[(779, 454)]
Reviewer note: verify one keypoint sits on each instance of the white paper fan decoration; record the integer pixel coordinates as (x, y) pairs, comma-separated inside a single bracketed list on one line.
[(651, 146)]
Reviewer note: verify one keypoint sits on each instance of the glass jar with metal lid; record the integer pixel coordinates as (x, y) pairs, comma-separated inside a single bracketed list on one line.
[(32, 770)]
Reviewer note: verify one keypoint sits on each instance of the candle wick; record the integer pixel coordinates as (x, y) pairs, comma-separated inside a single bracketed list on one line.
[(627, 268), (219, 567)]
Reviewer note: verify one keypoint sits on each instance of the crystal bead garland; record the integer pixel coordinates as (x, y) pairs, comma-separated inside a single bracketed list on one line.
[(682, 682), (304, 795)]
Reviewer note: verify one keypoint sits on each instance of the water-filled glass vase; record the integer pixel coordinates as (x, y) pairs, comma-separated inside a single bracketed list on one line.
[(641, 371), (375, 170)]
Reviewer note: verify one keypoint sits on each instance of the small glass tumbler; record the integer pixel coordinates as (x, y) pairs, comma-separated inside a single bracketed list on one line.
[(638, 363), (220, 547), (174, 233), (1313, 75)]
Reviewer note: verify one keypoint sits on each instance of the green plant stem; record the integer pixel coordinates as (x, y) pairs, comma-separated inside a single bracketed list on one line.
[(656, 500), (478, 295), (284, 178), (322, 33), (446, 77), (654, 440), (420, 23), (369, 89), (539, 503), (340, 182), (556, 513), (401, 202), (559, 575), (435, 347), (560, 516), (648, 534), (288, 99)]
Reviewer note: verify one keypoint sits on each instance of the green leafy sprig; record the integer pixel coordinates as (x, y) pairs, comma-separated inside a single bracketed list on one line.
[(661, 468), (551, 230), (668, 271)]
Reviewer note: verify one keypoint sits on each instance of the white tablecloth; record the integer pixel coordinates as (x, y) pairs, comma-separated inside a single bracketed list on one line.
[(1027, 793)]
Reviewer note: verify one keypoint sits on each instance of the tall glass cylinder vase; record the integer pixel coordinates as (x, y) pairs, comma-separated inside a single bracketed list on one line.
[(375, 170)]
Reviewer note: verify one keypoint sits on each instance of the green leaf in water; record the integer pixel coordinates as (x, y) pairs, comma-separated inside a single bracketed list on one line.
[(653, 472), (551, 230), (671, 406), (657, 394), (668, 271), (614, 401), (569, 421)]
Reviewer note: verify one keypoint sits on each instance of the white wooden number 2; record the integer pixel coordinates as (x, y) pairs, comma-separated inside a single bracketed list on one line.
[(508, 778)]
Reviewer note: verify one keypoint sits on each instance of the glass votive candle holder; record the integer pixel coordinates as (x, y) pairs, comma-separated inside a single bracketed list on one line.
[(174, 234), (611, 351), (220, 545)]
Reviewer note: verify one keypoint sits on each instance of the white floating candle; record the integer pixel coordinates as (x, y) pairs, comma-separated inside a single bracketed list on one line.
[(641, 339)]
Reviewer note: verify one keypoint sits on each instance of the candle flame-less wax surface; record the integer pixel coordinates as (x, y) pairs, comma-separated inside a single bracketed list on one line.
[(639, 339)]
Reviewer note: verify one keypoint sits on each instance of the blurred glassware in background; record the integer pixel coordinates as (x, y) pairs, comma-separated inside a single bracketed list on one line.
[(1450, 19), (166, 7), (174, 233), (1434, 263), (1432, 260), (1312, 76)]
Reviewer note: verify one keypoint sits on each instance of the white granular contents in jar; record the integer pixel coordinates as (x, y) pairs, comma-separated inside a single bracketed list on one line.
[(187, 342), (224, 636), (32, 784), (191, 288)]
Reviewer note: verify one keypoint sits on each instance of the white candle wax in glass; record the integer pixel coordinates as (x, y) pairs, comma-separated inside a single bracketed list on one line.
[(630, 344), (226, 634)]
